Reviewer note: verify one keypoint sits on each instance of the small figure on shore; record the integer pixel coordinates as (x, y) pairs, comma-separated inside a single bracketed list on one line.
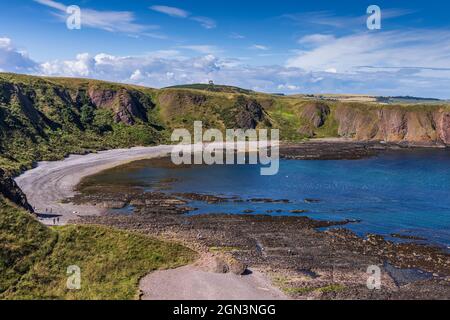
[(57, 220), (54, 221)]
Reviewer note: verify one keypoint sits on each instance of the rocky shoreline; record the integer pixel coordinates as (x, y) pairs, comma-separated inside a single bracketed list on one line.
[(301, 260), (343, 149), (304, 262)]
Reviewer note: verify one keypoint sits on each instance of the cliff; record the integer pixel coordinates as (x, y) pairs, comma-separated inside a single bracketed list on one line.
[(414, 124)]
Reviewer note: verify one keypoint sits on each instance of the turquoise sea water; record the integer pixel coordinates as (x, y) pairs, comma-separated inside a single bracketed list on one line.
[(404, 192)]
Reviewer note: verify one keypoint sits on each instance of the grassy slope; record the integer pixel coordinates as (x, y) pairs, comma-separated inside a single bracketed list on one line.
[(34, 259), (48, 126)]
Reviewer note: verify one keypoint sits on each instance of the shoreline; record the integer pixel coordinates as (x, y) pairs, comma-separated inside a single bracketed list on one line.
[(51, 182), (47, 185)]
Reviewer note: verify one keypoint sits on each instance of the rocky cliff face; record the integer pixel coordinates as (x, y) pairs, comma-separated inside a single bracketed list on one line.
[(12, 192), (43, 99), (416, 125), (127, 105), (249, 113), (316, 113), (395, 124)]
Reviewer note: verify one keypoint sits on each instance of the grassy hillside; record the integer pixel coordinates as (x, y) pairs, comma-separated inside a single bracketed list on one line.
[(213, 88), (34, 259), (46, 119)]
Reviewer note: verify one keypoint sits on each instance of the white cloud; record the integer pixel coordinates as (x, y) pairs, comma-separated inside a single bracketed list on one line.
[(112, 21), (412, 48), (13, 59), (235, 35), (387, 64), (80, 67), (136, 76), (171, 11), (259, 47), (288, 87), (330, 19), (205, 22), (314, 39), (206, 49)]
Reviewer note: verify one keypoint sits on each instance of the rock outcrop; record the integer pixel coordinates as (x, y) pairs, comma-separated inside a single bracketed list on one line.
[(316, 113), (250, 113), (127, 105), (11, 191)]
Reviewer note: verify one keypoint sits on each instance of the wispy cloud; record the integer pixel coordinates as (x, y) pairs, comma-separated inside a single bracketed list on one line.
[(112, 21), (399, 49), (330, 19), (205, 49), (235, 35), (259, 47), (315, 39), (205, 22), (171, 11)]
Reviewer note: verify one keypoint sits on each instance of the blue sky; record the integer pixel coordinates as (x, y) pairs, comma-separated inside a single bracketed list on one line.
[(272, 46)]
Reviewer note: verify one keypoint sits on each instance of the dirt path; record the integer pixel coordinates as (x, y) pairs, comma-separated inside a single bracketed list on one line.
[(199, 282)]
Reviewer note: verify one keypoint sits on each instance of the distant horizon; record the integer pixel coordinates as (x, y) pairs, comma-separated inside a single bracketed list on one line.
[(230, 85)]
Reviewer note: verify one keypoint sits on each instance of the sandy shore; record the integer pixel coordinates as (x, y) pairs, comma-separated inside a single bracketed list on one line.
[(50, 182), (53, 181)]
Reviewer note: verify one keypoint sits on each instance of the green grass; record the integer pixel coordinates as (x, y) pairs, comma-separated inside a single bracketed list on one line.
[(23, 241), (286, 285), (223, 249), (34, 259), (332, 288)]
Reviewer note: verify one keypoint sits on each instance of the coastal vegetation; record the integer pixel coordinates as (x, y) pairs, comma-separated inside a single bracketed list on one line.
[(34, 258)]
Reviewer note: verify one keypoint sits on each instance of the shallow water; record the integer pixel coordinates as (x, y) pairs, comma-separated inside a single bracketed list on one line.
[(402, 192)]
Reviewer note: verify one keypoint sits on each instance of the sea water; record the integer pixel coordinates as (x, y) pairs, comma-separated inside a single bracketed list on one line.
[(397, 192)]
